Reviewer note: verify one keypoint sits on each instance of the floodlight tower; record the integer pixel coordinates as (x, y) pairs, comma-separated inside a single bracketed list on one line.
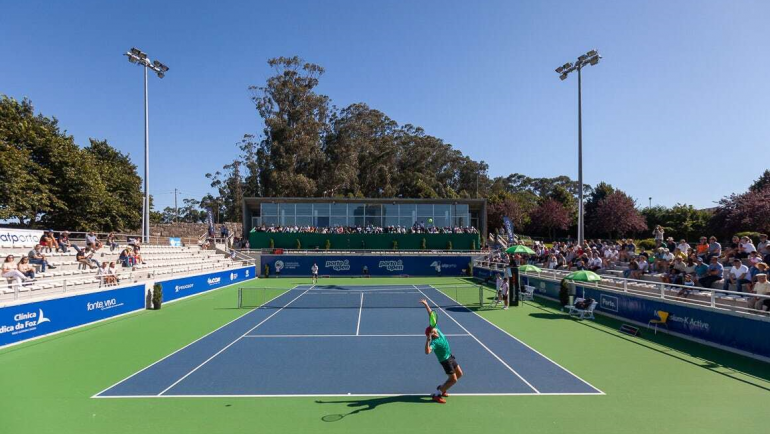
[(140, 58), (590, 58)]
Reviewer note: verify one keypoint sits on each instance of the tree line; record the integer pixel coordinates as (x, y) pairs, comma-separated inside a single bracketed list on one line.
[(308, 147)]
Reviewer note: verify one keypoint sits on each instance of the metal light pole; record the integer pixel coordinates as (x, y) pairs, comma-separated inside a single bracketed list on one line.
[(590, 58), (650, 207), (140, 58)]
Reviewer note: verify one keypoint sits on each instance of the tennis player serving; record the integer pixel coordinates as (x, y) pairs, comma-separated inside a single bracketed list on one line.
[(437, 343)]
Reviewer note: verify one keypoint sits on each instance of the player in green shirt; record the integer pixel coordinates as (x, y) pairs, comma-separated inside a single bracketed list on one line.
[(437, 343)]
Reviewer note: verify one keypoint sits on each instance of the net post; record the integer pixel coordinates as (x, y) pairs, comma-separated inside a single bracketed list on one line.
[(240, 298), (481, 296)]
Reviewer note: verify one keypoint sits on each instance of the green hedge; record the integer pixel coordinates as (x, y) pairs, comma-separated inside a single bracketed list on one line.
[(264, 240)]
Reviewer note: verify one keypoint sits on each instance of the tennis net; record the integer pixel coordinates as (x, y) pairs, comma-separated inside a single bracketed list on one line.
[(384, 297)]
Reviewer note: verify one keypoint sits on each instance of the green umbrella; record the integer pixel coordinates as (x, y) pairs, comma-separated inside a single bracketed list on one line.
[(530, 268), (520, 248), (583, 276)]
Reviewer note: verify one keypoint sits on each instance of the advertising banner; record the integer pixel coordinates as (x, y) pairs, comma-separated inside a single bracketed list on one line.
[(734, 331), (18, 323), (19, 237), (175, 242), (341, 265), (186, 286)]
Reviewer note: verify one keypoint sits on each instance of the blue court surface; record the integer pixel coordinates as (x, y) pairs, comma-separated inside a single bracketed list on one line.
[(349, 340)]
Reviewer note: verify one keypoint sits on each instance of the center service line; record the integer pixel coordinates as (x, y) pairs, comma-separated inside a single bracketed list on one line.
[(360, 308)]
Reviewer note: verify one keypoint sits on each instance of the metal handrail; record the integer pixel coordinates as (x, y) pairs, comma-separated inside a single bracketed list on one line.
[(362, 251), (635, 286)]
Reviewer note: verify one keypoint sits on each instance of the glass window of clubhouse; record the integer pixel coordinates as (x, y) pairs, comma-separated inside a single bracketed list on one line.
[(381, 213)]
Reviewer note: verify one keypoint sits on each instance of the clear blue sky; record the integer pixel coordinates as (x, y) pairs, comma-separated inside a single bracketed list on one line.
[(677, 110)]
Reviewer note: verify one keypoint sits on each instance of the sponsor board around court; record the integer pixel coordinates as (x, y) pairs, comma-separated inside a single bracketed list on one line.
[(19, 237), (377, 265), (26, 321), (740, 332), (186, 286), (31, 320)]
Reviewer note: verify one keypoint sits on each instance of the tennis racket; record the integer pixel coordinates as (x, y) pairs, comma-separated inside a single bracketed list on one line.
[(433, 317)]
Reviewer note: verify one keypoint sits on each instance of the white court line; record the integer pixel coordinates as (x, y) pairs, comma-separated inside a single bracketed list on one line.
[(350, 336), (344, 395), (231, 343), (360, 309), (328, 292), (481, 343), (523, 343), (207, 334)]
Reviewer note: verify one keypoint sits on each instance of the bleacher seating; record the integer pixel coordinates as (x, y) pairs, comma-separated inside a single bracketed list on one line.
[(68, 276)]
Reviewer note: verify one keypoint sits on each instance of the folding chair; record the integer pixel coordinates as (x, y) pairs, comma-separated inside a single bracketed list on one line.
[(528, 293), (587, 313)]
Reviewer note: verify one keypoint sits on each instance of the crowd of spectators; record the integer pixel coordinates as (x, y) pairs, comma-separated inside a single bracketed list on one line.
[(740, 265), (417, 228)]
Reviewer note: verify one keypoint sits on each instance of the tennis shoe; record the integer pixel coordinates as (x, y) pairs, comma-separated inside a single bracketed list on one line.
[(439, 399), (444, 394)]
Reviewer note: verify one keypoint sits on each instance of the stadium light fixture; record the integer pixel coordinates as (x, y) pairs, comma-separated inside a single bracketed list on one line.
[(138, 57), (590, 58)]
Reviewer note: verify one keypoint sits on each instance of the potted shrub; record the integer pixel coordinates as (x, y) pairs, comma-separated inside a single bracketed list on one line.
[(299, 244), (157, 296), (423, 244), (272, 243), (328, 245), (449, 245), (395, 245), (473, 245)]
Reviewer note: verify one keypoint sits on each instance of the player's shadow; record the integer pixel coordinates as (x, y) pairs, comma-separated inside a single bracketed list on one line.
[(362, 405)]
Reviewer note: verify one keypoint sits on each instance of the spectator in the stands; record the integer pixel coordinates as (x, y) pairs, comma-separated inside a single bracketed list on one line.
[(764, 245), (758, 268), (737, 275), (113, 272), (137, 255), (594, 262), (93, 240), (746, 247), (661, 263), (689, 283), (65, 244), (101, 274), (224, 232), (644, 265), (754, 258), (112, 241), (38, 258), (126, 258), (552, 263), (11, 272), (85, 257), (733, 249), (48, 241), (658, 234), (713, 274), (26, 268), (701, 269), (679, 254), (684, 247), (762, 287), (715, 249), (675, 273), (633, 268), (670, 244), (702, 249)]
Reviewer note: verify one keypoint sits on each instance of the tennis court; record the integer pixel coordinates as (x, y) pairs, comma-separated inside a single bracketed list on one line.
[(340, 340)]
